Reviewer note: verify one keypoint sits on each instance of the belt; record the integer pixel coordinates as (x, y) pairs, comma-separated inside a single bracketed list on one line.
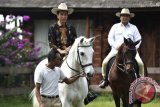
[(50, 96)]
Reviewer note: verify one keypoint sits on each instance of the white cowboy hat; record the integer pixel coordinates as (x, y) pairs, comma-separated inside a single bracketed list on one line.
[(62, 7), (125, 11)]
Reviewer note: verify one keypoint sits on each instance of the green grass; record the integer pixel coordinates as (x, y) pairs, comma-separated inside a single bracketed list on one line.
[(15, 101), (106, 100), (103, 100)]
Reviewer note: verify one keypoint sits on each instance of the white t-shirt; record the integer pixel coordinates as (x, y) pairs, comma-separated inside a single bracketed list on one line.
[(48, 78)]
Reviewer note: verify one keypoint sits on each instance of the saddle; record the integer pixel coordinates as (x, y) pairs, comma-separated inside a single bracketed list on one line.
[(110, 62)]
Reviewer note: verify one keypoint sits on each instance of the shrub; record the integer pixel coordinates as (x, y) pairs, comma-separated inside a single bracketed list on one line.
[(15, 45)]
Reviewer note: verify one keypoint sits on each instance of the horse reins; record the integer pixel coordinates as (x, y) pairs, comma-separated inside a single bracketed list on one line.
[(71, 68), (121, 67)]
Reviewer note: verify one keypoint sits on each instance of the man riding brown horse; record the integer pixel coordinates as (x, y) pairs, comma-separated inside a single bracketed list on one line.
[(121, 30), (124, 70)]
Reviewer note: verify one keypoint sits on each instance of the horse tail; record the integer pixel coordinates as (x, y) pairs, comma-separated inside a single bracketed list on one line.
[(33, 97)]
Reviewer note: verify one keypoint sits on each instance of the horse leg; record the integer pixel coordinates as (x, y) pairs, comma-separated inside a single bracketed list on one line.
[(65, 103), (135, 104), (125, 101), (79, 104), (116, 100)]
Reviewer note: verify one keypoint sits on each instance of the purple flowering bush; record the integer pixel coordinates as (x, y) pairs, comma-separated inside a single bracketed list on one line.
[(15, 50)]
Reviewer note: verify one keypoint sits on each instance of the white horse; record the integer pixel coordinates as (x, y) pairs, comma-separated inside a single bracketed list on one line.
[(79, 59)]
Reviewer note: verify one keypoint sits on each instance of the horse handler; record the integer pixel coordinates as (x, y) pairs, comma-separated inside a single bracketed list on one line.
[(46, 78)]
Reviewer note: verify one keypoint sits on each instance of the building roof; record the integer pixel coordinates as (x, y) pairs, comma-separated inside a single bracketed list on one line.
[(80, 3)]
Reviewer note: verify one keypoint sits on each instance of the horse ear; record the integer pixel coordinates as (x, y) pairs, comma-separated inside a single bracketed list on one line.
[(92, 39), (135, 43), (125, 41), (81, 40)]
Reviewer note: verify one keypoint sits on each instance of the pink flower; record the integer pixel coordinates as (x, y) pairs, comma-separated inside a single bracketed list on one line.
[(20, 46), (26, 18), (14, 49), (27, 33)]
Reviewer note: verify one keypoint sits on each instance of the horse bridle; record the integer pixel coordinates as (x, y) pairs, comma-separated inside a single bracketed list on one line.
[(80, 62), (122, 66)]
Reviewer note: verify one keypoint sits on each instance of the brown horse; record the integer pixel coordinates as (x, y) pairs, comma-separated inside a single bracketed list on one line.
[(123, 72)]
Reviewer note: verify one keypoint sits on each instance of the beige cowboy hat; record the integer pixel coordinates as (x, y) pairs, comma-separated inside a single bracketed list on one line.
[(62, 7), (125, 11)]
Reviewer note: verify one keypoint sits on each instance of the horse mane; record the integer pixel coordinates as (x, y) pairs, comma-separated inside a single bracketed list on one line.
[(75, 44), (120, 49)]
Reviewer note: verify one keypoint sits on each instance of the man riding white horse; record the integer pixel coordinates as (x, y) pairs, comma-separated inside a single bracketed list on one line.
[(62, 36)]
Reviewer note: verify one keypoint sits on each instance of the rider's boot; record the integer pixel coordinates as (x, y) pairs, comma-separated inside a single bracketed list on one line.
[(104, 83)]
